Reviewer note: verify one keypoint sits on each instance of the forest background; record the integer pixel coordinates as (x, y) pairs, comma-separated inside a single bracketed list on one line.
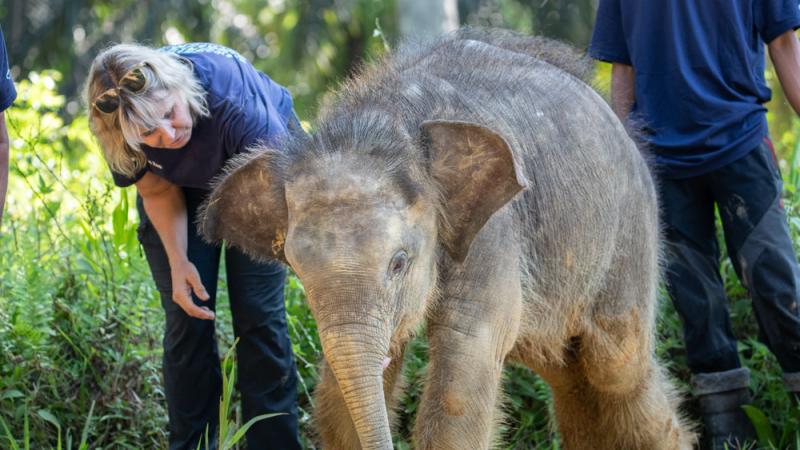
[(80, 319)]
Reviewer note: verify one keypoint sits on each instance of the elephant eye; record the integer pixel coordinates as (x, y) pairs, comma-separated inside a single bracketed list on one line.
[(398, 263)]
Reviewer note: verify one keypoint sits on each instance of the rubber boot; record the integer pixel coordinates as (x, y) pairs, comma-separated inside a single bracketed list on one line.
[(791, 381), (721, 396)]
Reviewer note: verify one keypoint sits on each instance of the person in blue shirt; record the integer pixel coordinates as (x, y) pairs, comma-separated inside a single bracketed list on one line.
[(167, 121), (691, 74), (7, 96)]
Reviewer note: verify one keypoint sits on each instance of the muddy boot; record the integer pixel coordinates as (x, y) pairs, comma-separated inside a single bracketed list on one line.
[(721, 396)]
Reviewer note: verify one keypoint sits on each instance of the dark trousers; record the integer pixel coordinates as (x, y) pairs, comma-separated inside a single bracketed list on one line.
[(747, 193), (267, 377)]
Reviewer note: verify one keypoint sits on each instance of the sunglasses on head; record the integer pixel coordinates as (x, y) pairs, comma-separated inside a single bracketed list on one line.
[(133, 81)]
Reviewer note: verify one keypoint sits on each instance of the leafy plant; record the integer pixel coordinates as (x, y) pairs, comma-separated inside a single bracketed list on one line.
[(767, 435), (229, 434), (81, 322)]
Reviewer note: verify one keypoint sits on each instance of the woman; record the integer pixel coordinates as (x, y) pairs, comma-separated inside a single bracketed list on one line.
[(167, 121)]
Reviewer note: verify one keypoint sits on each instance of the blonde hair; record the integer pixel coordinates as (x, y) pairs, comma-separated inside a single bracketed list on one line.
[(118, 132)]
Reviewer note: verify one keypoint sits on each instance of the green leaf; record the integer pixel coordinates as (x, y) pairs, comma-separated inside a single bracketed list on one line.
[(766, 436), (85, 433), (119, 219), (228, 382), (44, 188), (239, 434), (49, 417), (11, 441), (11, 393), (87, 231), (26, 432), (794, 166)]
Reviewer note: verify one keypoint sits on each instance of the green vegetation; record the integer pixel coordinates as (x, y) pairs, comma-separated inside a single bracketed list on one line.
[(80, 319), (230, 434)]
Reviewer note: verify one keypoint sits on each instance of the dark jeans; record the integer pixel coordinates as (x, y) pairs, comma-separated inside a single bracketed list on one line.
[(267, 377), (747, 193)]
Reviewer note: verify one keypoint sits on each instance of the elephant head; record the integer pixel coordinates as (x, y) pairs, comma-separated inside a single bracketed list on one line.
[(364, 214)]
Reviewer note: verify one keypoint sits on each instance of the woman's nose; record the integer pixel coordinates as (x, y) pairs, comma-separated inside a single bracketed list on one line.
[(169, 131)]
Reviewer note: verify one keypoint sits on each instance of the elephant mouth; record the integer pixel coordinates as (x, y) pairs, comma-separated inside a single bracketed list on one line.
[(386, 361)]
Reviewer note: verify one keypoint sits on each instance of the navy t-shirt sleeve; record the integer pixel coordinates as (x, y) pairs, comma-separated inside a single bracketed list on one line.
[(608, 38), (7, 91), (775, 17)]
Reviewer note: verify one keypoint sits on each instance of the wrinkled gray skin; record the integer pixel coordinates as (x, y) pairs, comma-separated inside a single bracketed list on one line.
[(473, 186)]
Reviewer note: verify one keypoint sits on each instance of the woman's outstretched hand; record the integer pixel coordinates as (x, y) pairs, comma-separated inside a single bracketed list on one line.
[(186, 280)]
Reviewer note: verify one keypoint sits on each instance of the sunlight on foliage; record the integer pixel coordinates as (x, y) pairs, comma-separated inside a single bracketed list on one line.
[(81, 322)]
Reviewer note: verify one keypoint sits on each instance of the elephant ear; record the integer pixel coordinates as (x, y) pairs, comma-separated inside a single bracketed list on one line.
[(476, 172), (247, 206)]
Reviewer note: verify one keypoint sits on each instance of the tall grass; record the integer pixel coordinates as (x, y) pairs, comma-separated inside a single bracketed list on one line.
[(80, 318), (79, 324)]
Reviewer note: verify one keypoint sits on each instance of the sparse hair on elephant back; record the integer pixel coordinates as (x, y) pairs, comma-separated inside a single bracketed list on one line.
[(477, 184), (557, 53)]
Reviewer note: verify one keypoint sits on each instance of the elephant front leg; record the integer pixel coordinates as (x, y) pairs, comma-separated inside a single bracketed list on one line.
[(460, 404)]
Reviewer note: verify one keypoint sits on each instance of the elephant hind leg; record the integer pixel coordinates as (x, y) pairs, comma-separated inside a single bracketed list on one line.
[(613, 395)]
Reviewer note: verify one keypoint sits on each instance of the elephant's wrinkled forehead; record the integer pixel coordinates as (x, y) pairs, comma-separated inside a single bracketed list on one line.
[(334, 184), (339, 212)]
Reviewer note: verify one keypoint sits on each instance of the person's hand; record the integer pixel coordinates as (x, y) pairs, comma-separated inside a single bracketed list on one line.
[(186, 280)]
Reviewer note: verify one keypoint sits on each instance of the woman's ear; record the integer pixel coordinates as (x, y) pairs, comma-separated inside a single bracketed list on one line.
[(247, 207)]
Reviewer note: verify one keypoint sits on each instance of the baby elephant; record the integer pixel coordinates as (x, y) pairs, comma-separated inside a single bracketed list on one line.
[(478, 185)]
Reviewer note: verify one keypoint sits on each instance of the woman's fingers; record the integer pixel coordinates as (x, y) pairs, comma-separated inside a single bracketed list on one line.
[(184, 299), (184, 282), (197, 285)]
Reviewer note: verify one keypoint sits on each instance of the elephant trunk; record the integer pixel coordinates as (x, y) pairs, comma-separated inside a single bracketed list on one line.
[(355, 354)]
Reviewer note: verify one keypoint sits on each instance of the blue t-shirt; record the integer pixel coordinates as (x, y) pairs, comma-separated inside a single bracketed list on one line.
[(699, 68), (246, 107), (7, 92)]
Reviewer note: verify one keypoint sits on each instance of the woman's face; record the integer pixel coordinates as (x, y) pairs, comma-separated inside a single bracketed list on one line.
[(175, 129)]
